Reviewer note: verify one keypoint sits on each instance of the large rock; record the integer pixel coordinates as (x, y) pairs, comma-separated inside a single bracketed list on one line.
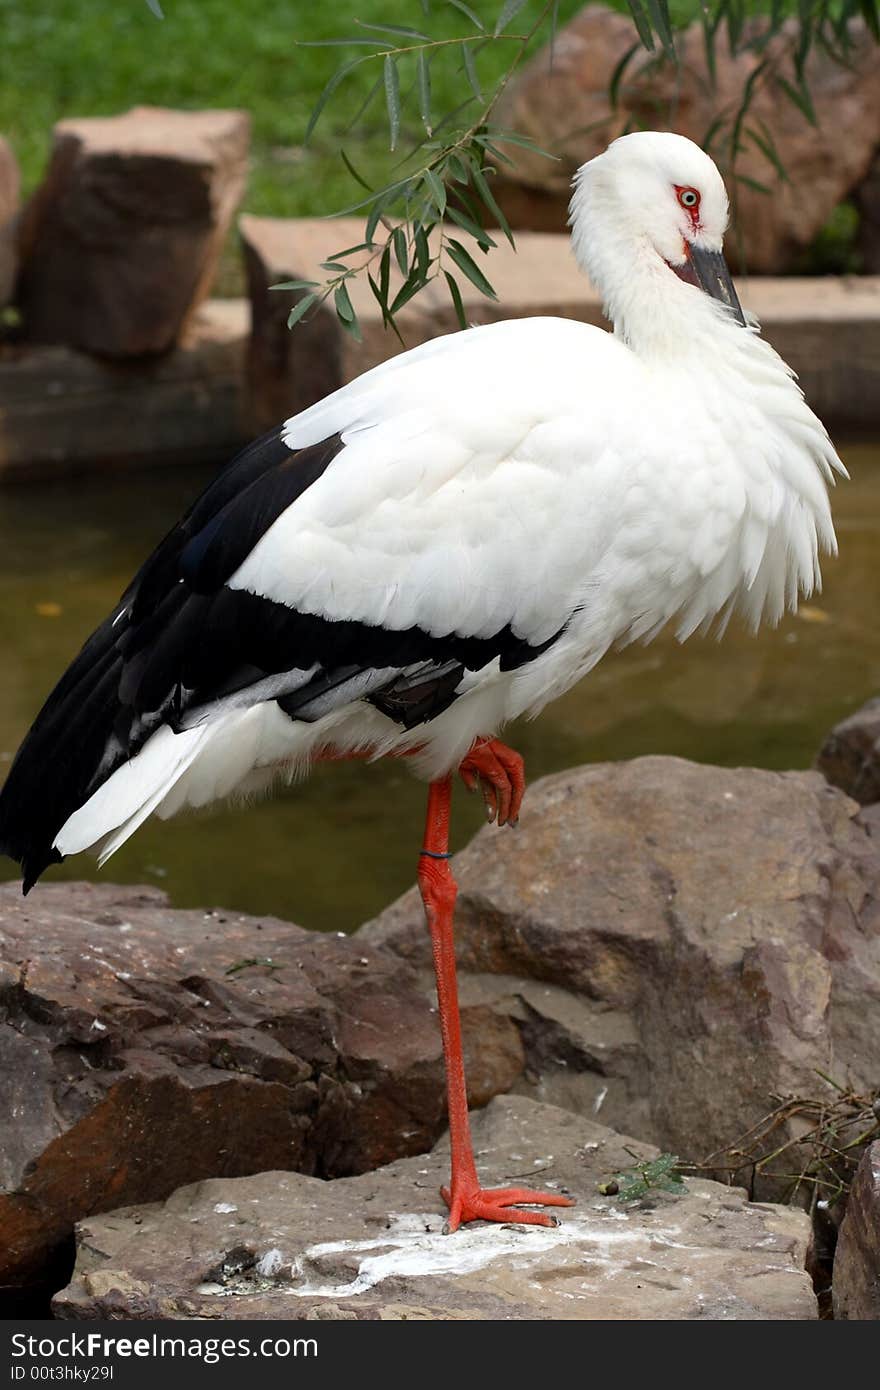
[(565, 109), (850, 755), (9, 189), (285, 1246), (856, 1286), (288, 370), (142, 1048), (681, 946), (120, 242)]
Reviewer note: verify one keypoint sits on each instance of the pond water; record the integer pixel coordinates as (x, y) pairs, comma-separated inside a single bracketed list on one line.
[(333, 851)]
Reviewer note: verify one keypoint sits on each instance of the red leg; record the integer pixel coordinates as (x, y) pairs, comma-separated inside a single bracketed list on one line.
[(466, 1200)]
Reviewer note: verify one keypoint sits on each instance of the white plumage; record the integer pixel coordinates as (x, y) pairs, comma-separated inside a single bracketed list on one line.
[(539, 475)]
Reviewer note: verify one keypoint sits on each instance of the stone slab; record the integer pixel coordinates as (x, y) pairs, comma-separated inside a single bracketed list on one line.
[(64, 412), (280, 1245)]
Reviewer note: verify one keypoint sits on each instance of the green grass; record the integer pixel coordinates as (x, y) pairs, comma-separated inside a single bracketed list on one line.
[(95, 57)]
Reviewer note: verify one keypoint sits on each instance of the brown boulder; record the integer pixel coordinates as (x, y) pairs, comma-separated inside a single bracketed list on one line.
[(681, 946), (281, 1245), (120, 242), (9, 189), (287, 369), (142, 1048), (566, 110), (856, 1286), (850, 755)]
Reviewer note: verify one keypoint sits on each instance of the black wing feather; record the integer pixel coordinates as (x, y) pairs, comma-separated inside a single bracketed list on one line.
[(98, 715), (180, 640)]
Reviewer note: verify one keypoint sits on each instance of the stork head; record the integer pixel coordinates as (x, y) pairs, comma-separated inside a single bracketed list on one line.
[(654, 200)]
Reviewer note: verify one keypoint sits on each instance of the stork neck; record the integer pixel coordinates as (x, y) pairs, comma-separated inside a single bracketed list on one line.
[(659, 316)]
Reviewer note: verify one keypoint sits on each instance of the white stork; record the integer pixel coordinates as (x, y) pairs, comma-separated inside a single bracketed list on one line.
[(449, 542)]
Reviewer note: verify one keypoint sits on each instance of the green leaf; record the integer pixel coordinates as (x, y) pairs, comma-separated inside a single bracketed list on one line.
[(155, 8), (353, 327), (468, 266), (381, 300), (800, 97), (766, 144), (327, 93), (661, 1166), (495, 154), (392, 97), (385, 273), (455, 296), (386, 193), (387, 320), (471, 226), (358, 178), (710, 26), (617, 75), (481, 184), (398, 238), (423, 253), (512, 137), (337, 43), (452, 116), (398, 30), (374, 216), (350, 250), (366, 103), (294, 285), (412, 286), (646, 1176), (423, 79), (344, 306), (631, 1189), (468, 13), (736, 18), (752, 183), (334, 265), (710, 133), (300, 308), (753, 78), (642, 23), (870, 12), (659, 12), (438, 191), (509, 11), (471, 71), (806, 21)]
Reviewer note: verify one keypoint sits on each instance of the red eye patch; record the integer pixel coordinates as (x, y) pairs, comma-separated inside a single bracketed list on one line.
[(689, 198)]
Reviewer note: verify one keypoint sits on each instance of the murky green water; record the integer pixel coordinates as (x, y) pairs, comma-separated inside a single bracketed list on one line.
[(332, 852)]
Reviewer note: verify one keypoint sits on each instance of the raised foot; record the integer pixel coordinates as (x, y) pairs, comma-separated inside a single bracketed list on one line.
[(499, 774), (501, 1204)]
